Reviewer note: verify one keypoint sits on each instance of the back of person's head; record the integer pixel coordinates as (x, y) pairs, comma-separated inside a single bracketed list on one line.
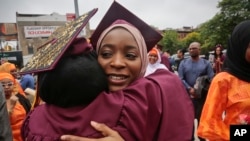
[(238, 43), (67, 67), (76, 80)]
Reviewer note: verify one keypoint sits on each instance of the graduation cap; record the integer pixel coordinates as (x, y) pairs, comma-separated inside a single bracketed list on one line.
[(118, 12), (48, 55)]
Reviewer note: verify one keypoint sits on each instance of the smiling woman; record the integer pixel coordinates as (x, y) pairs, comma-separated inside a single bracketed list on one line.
[(119, 50), (121, 41), (153, 55), (154, 62), (132, 101)]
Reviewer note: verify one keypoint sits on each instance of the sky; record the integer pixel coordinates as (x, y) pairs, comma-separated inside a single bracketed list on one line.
[(158, 13)]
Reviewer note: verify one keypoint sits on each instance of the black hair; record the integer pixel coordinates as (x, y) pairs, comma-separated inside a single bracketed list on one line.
[(221, 49), (76, 80), (183, 51)]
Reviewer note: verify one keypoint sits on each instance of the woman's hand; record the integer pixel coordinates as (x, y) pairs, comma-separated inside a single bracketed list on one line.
[(13, 100), (192, 91), (110, 135), (218, 60), (11, 103)]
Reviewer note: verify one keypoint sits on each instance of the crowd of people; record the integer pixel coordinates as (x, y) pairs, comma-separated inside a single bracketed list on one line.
[(17, 103), (120, 85)]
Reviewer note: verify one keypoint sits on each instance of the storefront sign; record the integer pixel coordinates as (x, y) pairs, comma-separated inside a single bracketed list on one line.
[(38, 31)]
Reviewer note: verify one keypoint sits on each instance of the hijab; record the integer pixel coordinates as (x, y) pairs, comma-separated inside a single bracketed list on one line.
[(151, 68), (138, 37), (8, 67), (235, 62), (5, 75)]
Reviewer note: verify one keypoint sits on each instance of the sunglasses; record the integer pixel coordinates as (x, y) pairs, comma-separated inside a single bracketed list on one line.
[(9, 84)]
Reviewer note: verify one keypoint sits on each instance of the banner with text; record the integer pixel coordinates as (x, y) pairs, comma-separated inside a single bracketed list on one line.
[(38, 31)]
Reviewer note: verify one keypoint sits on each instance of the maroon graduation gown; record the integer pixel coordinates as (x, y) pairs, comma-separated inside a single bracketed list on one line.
[(155, 108)]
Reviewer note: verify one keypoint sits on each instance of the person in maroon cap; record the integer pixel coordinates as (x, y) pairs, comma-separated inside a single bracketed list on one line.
[(152, 108), (67, 91), (135, 107)]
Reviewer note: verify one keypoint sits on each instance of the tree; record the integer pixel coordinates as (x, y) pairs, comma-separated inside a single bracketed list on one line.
[(170, 40), (191, 37), (218, 29), (212, 34)]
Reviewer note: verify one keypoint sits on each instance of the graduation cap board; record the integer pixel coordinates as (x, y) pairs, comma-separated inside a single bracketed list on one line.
[(116, 12), (59, 41)]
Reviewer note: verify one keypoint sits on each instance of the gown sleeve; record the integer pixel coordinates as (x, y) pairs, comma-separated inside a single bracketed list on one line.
[(142, 106), (154, 108), (177, 116), (157, 108)]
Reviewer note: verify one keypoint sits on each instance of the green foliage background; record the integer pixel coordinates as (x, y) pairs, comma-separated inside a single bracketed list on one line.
[(214, 31)]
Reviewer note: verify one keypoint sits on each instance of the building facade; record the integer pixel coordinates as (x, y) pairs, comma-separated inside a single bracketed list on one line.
[(184, 31), (34, 29)]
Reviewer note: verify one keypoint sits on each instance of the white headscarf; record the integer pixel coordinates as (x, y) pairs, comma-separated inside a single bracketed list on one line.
[(151, 68)]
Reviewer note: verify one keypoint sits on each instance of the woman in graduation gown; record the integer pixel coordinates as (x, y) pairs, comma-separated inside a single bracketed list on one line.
[(138, 108), (152, 108)]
